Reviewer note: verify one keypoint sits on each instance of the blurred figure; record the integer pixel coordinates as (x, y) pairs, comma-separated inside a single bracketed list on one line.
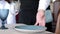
[(11, 19), (32, 12)]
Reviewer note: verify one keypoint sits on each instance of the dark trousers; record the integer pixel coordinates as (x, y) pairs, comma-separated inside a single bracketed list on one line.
[(28, 18), (28, 10)]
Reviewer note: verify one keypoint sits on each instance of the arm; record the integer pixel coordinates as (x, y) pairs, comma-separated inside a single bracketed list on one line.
[(40, 17), (15, 8), (43, 4)]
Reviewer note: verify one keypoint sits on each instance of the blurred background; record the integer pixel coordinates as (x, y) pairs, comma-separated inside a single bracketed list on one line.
[(52, 12)]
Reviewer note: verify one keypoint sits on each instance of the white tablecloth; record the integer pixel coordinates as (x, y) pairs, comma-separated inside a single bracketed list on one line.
[(11, 30)]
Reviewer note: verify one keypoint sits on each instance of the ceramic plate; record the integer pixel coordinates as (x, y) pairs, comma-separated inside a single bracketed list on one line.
[(30, 28)]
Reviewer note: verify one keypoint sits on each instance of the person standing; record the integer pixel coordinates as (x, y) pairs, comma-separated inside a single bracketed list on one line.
[(11, 19), (32, 12)]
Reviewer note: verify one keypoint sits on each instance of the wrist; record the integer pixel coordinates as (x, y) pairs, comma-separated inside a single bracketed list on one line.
[(41, 13)]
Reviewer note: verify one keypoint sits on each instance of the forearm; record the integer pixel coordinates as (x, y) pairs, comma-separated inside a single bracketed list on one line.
[(43, 4), (40, 17)]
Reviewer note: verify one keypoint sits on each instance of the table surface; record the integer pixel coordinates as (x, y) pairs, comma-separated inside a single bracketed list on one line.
[(11, 30)]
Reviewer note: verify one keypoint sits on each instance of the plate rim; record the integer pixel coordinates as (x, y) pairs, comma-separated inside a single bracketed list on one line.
[(26, 30), (22, 30)]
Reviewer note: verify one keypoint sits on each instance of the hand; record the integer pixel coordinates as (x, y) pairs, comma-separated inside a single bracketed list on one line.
[(16, 12), (40, 18)]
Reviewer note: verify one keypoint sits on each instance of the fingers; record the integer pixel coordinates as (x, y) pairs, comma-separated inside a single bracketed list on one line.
[(40, 19), (43, 22), (40, 22), (36, 23), (16, 12)]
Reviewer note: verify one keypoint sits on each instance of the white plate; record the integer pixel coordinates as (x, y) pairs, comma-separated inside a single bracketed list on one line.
[(30, 28)]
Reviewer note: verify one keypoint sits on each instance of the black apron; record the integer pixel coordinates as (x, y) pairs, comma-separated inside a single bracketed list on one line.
[(28, 10)]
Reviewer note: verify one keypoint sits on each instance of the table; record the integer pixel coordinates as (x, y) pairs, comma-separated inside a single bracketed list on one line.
[(11, 30)]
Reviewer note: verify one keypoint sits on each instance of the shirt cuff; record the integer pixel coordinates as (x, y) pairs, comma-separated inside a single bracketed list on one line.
[(43, 4)]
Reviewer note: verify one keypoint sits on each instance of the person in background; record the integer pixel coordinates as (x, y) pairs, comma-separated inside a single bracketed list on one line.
[(11, 19), (32, 12), (40, 17)]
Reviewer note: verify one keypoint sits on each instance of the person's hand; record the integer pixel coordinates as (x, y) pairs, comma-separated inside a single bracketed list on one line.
[(16, 12), (40, 18)]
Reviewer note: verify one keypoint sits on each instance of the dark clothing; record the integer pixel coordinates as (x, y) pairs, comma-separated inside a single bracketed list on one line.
[(28, 10)]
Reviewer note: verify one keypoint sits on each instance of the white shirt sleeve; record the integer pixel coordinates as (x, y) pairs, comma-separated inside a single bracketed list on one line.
[(12, 9), (43, 4), (53, 0)]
